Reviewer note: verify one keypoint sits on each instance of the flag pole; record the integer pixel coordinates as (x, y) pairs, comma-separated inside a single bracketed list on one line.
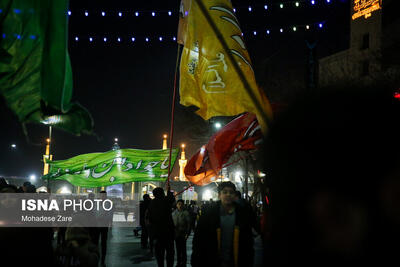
[(233, 61), (171, 134)]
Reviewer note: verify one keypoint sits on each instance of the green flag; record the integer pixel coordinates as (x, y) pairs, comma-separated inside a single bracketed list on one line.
[(35, 71), (113, 167)]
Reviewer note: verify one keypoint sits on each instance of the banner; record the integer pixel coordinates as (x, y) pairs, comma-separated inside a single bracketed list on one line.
[(113, 167), (241, 134), (208, 79), (35, 70)]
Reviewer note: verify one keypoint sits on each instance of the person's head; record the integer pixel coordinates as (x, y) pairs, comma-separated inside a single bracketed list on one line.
[(226, 193), (179, 204), (158, 193), (238, 195), (25, 186), (78, 234), (146, 197), (3, 182), (91, 196), (103, 195)]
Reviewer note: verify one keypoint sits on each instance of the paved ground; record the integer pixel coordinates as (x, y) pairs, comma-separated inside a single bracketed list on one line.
[(124, 250)]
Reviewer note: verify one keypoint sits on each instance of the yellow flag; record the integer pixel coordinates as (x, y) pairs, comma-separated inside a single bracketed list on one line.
[(208, 78)]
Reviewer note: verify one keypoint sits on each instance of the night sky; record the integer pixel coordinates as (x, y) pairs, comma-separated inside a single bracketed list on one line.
[(127, 87)]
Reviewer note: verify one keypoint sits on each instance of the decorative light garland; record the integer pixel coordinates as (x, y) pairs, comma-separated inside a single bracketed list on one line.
[(154, 13), (169, 38)]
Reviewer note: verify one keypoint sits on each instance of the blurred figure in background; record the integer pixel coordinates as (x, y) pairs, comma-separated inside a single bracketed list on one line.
[(161, 226), (334, 162), (182, 222)]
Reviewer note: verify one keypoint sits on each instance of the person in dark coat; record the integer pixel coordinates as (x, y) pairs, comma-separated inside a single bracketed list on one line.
[(161, 226), (223, 234), (144, 238)]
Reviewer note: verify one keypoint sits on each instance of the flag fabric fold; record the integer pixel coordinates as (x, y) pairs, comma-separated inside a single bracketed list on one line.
[(241, 134), (35, 70), (113, 167), (208, 79)]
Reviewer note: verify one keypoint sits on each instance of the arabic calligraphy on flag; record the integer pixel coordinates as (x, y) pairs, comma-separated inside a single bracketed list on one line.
[(208, 78), (113, 167)]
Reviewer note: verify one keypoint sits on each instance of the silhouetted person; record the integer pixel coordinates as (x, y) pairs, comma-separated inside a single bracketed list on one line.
[(104, 219), (334, 162), (3, 183), (161, 226), (145, 239)]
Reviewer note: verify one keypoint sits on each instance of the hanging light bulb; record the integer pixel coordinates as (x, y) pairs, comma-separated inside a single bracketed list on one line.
[(312, 2), (234, 10), (265, 7), (90, 39), (255, 33), (281, 30), (147, 39), (169, 13), (105, 39), (297, 4), (119, 39), (307, 27), (136, 14), (153, 14), (281, 5), (160, 38), (249, 8), (294, 29), (320, 25), (120, 14), (268, 32), (86, 13), (76, 38), (174, 38), (133, 39), (103, 13), (69, 13)]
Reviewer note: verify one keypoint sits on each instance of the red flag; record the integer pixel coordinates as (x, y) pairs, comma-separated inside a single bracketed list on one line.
[(241, 134)]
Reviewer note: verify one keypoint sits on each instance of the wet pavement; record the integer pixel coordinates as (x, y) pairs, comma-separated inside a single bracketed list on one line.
[(124, 250)]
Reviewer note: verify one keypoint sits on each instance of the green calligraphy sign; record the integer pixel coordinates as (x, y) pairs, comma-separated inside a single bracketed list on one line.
[(113, 167)]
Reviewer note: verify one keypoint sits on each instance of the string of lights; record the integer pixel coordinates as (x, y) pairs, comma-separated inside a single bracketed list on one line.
[(156, 13), (171, 38), (146, 39)]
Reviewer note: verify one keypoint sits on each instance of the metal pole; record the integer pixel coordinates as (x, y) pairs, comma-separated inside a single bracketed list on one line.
[(246, 181), (48, 180)]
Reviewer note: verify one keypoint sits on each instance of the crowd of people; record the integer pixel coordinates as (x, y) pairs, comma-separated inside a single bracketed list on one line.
[(220, 228), (75, 245)]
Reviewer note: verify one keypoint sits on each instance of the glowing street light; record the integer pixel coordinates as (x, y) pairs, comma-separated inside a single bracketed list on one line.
[(217, 125), (13, 146), (65, 190), (237, 176), (32, 177)]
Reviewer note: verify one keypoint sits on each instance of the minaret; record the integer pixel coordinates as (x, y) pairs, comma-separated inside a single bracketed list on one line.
[(164, 143), (182, 164), (47, 157)]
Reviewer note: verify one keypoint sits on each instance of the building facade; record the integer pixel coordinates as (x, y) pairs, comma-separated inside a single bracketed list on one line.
[(373, 54)]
